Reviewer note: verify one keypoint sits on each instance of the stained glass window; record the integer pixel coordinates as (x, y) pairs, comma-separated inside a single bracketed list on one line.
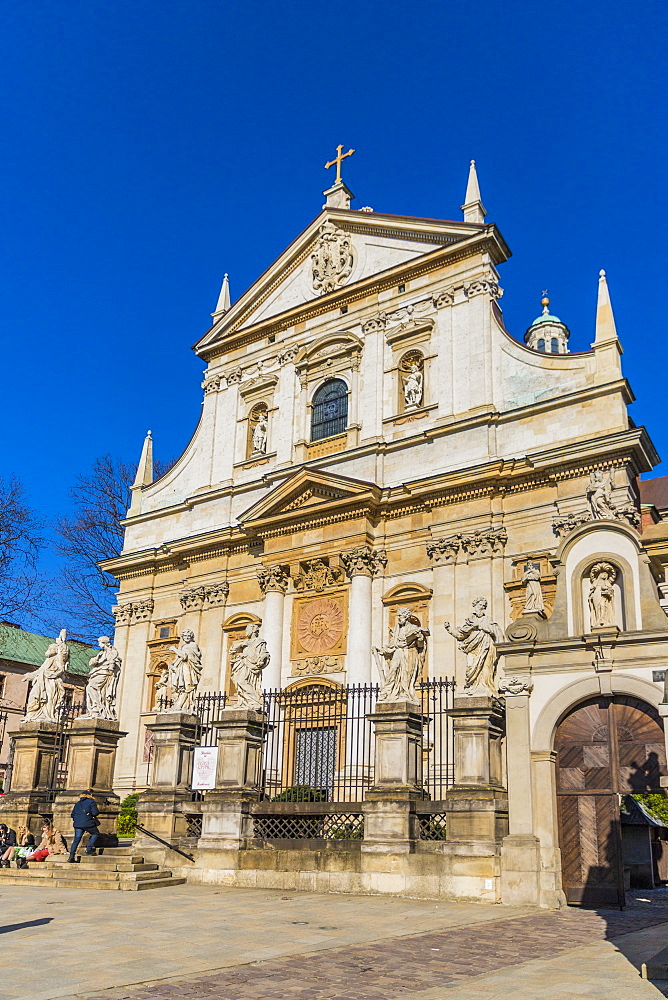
[(329, 409)]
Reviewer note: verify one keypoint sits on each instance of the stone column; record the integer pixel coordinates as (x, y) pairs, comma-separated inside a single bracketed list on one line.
[(35, 760), (90, 764), (226, 816), (160, 806), (477, 803), (362, 564), (389, 814), (273, 583), (520, 854)]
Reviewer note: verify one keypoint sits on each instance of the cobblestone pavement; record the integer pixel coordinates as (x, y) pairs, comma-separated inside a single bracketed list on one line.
[(437, 963)]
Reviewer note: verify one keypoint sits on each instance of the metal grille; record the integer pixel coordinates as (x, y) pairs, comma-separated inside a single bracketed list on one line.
[(329, 410), (315, 753), (437, 737), (309, 826), (193, 825), (68, 711), (432, 826)]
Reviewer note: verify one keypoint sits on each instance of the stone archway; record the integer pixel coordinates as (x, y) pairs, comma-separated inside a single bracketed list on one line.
[(605, 747)]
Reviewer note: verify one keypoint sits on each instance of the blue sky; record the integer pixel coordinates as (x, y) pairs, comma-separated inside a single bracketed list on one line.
[(150, 146)]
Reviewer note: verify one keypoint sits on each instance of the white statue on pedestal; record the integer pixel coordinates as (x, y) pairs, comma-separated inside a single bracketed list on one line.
[(249, 657), (182, 676), (477, 637), (260, 435), (533, 595), (599, 494), (103, 682), (48, 691), (413, 386), (602, 595), (400, 663)]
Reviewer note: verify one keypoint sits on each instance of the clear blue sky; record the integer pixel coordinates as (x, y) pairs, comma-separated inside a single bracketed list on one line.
[(151, 145)]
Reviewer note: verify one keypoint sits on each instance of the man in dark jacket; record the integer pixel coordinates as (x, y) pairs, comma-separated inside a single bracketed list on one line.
[(7, 840), (84, 820)]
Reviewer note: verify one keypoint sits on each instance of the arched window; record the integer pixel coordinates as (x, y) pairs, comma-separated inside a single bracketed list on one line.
[(555, 345), (329, 413), (541, 346)]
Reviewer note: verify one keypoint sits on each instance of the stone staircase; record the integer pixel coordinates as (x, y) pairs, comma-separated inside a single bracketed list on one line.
[(116, 868)]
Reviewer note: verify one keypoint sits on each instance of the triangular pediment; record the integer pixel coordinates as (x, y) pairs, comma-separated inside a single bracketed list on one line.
[(338, 250), (306, 491)]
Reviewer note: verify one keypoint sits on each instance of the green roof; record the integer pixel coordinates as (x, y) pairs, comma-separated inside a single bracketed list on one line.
[(546, 318), (27, 647)]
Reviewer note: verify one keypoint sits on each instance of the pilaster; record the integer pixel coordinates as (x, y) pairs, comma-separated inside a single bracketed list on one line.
[(160, 807)]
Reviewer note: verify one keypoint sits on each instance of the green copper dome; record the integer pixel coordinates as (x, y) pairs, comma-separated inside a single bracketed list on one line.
[(546, 318)]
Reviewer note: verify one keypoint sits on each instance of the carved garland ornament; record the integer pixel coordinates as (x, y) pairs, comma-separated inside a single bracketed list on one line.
[(332, 260), (482, 542), (316, 575)]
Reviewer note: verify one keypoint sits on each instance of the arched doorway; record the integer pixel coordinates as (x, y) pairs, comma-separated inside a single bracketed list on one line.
[(605, 747)]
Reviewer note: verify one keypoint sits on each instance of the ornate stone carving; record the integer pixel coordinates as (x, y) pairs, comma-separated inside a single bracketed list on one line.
[(320, 625), (260, 434), (314, 665), (478, 637), (521, 631), (564, 524), (444, 550), (400, 662), (363, 560), (216, 593), (533, 592), (273, 578), (444, 298), (602, 595), (288, 354), (212, 383), (235, 375), (601, 506), (316, 574), (483, 286), (332, 259), (412, 379), (248, 658), (142, 610), (515, 686), (193, 599), (182, 677), (122, 613), (103, 682), (485, 542), (376, 324), (630, 513), (599, 494), (48, 691), (207, 595)]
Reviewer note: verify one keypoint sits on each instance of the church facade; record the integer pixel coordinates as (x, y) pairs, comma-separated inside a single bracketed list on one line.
[(373, 439)]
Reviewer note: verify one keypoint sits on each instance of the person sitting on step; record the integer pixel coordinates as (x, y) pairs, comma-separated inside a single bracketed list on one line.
[(25, 845), (84, 819), (51, 843), (7, 844)]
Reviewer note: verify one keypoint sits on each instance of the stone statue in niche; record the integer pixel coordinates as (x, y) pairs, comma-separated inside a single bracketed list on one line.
[(48, 691), (413, 386), (477, 637), (103, 682), (602, 595), (599, 494), (533, 593), (400, 663), (248, 658), (260, 434), (182, 676)]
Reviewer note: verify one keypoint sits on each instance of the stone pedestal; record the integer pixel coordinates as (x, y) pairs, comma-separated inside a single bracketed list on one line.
[(663, 712), (90, 764), (226, 820), (389, 814), (36, 748), (477, 803), (160, 806)]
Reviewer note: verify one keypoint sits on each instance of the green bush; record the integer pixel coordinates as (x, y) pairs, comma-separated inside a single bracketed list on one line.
[(301, 793), (126, 825), (656, 804)]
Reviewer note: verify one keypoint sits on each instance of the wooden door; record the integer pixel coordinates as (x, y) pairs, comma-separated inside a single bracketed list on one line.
[(605, 747)]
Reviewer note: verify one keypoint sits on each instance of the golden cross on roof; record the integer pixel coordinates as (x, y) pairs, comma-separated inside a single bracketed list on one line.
[(338, 159)]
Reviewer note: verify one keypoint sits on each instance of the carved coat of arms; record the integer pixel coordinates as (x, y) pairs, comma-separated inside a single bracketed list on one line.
[(332, 260)]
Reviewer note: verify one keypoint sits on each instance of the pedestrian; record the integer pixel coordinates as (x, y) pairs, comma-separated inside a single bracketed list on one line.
[(7, 844), (84, 820), (25, 845), (51, 843)]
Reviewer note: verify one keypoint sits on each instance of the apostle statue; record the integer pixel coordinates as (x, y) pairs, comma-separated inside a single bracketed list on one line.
[(477, 637), (533, 593), (249, 657), (400, 663), (599, 494), (48, 691), (182, 675), (602, 595), (103, 682), (260, 435), (413, 386)]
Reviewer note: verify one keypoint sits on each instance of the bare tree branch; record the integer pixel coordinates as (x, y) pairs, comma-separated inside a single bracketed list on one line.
[(22, 588)]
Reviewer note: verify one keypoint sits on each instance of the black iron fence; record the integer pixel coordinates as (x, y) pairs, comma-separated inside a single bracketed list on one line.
[(67, 713)]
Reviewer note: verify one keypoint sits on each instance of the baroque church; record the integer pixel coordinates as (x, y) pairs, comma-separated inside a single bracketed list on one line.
[(375, 445)]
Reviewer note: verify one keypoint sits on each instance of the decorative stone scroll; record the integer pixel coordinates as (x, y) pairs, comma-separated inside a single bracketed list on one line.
[(332, 259), (515, 686), (481, 542), (316, 665), (483, 286), (273, 578), (209, 595), (133, 611), (364, 561), (316, 574)]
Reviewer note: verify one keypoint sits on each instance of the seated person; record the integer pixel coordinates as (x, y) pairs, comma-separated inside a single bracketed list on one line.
[(25, 845), (7, 844), (51, 843)]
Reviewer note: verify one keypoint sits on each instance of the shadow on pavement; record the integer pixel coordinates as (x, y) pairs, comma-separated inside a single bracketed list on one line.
[(8, 928)]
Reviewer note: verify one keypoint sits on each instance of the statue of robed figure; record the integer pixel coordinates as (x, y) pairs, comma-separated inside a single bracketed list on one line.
[(249, 657), (400, 663), (182, 676), (103, 682), (48, 691), (477, 637)]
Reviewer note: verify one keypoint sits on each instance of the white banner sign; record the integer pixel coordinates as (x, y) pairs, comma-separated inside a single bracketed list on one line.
[(205, 760)]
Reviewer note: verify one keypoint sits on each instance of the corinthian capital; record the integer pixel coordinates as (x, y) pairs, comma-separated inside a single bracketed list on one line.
[(273, 578), (364, 561)]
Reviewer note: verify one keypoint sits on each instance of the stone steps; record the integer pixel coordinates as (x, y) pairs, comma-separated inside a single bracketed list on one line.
[(117, 868)]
